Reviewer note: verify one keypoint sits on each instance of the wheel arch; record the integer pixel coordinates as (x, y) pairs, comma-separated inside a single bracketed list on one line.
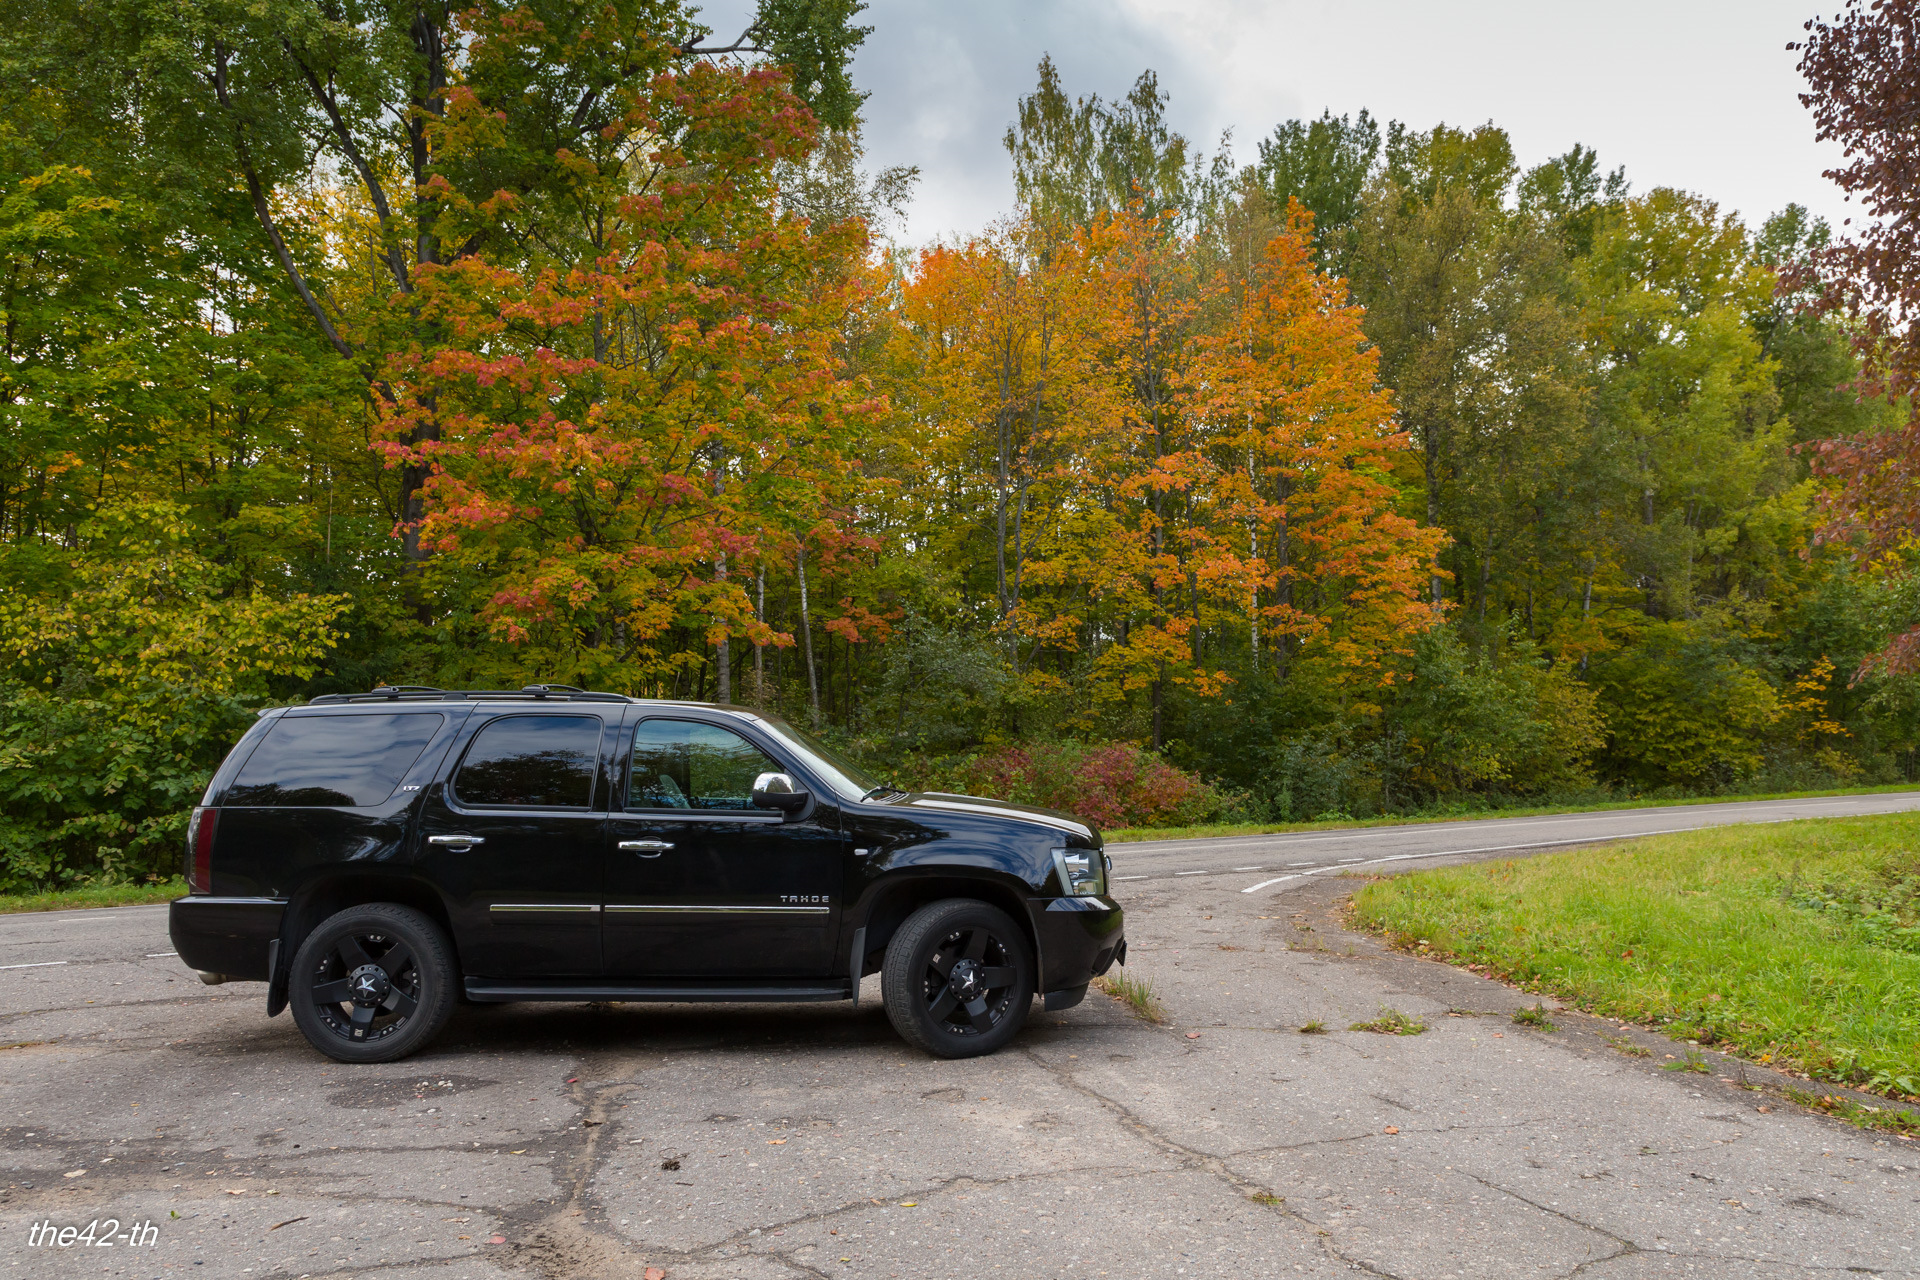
[(323, 897), (889, 903)]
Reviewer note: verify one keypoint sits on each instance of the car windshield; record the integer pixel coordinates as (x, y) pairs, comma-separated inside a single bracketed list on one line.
[(838, 772)]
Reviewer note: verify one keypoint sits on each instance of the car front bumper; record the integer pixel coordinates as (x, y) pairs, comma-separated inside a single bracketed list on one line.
[(1079, 940), (225, 936)]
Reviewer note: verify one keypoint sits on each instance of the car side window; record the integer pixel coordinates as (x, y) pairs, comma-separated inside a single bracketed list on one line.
[(683, 764), (531, 762), (333, 760)]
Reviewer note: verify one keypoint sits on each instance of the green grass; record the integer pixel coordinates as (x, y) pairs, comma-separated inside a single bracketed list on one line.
[(1391, 1022), (1133, 991), (1128, 835), (100, 895), (1534, 1017), (1796, 944)]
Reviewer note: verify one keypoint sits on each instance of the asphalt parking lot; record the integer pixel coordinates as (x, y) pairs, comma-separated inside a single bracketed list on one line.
[(614, 1141)]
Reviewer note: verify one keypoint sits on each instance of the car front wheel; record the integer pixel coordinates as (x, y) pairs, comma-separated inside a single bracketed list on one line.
[(372, 983), (958, 979)]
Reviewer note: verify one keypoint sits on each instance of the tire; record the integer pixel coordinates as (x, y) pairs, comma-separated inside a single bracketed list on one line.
[(372, 983), (958, 978)]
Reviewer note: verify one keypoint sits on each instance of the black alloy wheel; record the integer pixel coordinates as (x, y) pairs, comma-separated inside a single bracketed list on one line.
[(372, 983), (958, 979)]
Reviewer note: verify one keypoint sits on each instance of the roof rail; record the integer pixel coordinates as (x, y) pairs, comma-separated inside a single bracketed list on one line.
[(430, 693)]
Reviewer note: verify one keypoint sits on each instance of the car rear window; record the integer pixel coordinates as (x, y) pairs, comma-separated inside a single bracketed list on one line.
[(354, 760), (541, 762)]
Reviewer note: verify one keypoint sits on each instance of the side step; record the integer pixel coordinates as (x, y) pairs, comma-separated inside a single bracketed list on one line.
[(766, 991)]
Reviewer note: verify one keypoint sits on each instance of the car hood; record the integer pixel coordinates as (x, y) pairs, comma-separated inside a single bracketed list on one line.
[(948, 803)]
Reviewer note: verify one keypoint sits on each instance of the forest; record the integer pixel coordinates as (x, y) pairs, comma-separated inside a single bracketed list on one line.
[(1377, 470)]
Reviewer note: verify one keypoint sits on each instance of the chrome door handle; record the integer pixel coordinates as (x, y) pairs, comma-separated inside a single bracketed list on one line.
[(646, 848), (461, 841)]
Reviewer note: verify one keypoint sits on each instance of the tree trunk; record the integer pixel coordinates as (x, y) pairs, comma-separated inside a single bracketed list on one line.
[(724, 693), (1431, 442), (806, 633)]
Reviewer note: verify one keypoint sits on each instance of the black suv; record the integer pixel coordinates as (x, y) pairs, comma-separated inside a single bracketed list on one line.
[(373, 857)]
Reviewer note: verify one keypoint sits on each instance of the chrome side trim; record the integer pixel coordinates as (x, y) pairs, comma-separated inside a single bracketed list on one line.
[(751, 817), (522, 908), (630, 908)]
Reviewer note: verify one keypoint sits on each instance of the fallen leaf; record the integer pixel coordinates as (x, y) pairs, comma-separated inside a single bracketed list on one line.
[(289, 1222), (1392, 1128), (496, 1240), (522, 1151), (909, 1204), (656, 1273), (75, 1174), (573, 1079), (1193, 1035), (242, 1191), (588, 1124), (776, 1142)]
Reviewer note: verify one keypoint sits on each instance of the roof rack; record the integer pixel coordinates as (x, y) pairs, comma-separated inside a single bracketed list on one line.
[(429, 693)]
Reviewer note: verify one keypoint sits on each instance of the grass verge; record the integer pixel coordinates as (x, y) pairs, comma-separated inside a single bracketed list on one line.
[(1795, 945), (1130, 835), (99, 895), (1135, 992)]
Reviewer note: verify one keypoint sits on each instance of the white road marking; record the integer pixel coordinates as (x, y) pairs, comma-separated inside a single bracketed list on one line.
[(1133, 877), (1353, 859), (154, 955), (1498, 848), (1299, 864), (43, 964), (1190, 873), (1249, 868)]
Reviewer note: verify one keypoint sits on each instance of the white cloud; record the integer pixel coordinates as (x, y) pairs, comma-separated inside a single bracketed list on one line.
[(1691, 93)]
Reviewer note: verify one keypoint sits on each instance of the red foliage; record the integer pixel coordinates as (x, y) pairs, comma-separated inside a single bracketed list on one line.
[(1863, 73), (1109, 785)]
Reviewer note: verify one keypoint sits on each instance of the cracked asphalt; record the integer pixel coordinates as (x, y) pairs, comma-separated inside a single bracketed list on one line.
[(603, 1141)]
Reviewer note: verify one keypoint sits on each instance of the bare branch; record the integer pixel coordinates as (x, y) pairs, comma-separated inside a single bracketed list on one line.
[(741, 44), (395, 260), (257, 192)]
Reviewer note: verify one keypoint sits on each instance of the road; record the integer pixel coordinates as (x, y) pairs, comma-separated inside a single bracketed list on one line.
[(804, 1141), (1275, 859)]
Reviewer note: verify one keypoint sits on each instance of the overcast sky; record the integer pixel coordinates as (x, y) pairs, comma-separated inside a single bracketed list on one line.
[(1699, 94)]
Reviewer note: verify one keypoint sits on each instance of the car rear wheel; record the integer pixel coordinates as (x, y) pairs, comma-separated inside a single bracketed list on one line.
[(958, 978), (372, 983)]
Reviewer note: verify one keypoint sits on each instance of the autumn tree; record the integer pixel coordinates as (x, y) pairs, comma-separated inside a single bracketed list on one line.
[(1863, 71)]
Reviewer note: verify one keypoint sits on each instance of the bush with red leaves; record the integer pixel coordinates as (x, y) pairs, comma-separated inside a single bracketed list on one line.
[(1113, 784)]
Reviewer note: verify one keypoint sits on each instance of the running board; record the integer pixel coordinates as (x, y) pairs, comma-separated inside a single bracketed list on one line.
[(499, 991)]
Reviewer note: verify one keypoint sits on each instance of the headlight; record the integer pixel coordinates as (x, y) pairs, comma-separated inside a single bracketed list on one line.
[(1083, 872)]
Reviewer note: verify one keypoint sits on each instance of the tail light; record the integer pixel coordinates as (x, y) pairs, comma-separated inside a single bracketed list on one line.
[(200, 849)]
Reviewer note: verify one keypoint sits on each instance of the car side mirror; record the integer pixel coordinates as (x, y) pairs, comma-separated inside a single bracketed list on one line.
[(779, 791)]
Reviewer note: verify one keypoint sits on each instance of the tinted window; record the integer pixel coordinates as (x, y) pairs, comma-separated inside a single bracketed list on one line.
[(333, 760), (680, 764), (531, 761), (839, 773)]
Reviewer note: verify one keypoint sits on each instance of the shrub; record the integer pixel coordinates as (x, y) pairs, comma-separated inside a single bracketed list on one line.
[(1111, 784)]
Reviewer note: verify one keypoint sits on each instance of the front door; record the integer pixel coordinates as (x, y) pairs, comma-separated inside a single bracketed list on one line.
[(700, 883), (514, 840)]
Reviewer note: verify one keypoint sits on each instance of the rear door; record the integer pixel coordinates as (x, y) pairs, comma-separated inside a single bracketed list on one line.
[(699, 882), (514, 839)]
